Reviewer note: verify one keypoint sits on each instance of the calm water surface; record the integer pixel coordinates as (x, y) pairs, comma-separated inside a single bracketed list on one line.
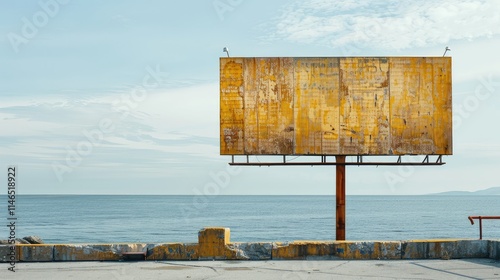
[(69, 218)]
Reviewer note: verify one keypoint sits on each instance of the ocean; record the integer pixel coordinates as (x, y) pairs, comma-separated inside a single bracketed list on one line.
[(127, 218)]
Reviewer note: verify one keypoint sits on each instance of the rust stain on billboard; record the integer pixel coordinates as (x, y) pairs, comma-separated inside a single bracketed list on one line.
[(335, 106), (316, 106), (364, 103), (268, 106)]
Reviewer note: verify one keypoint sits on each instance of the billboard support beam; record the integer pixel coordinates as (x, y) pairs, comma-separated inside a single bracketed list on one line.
[(428, 160), (340, 198)]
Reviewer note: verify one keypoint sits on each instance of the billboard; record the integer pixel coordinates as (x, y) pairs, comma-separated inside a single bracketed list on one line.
[(335, 106)]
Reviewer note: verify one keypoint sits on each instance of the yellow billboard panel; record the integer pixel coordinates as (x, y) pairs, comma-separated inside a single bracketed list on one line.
[(335, 106), (364, 106), (316, 106)]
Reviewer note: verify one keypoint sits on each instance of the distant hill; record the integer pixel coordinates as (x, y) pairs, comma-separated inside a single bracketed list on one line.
[(490, 191)]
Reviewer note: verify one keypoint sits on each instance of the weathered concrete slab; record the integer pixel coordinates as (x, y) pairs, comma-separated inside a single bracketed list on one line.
[(301, 250), (385, 250), (212, 244), (173, 251), (36, 253), (8, 255), (84, 253), (444, 249), (494, 249), (252, 251), (95, 252), (471, 249)]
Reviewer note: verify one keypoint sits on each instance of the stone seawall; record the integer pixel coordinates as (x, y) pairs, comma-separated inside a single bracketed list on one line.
[(214, 244)]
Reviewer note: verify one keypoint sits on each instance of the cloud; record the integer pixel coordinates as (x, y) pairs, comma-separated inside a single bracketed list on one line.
[(167, 126), (392, 25)]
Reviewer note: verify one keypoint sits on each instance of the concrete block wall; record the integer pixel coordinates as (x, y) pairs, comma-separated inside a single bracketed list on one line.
[(35, 252), (215, 244), (494, 249), (367, 250), (299, 250), (445, 249), (173, 251)]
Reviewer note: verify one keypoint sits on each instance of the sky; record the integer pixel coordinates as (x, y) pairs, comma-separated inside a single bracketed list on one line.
[(121, 97)]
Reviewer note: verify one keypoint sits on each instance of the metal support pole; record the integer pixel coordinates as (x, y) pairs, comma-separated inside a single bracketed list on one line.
[(480, 227), (340, 198)]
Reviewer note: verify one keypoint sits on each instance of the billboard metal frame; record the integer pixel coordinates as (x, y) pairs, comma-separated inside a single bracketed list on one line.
[(325, 160)]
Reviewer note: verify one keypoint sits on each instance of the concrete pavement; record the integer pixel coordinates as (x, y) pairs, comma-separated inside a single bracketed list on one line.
[(271, 269)]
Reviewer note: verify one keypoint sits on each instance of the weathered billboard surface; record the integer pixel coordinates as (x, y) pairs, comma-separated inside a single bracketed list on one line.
[(335, 106)]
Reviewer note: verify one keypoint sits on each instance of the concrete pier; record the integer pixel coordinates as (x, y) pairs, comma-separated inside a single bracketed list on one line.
[(262, 270), (214, 244)]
